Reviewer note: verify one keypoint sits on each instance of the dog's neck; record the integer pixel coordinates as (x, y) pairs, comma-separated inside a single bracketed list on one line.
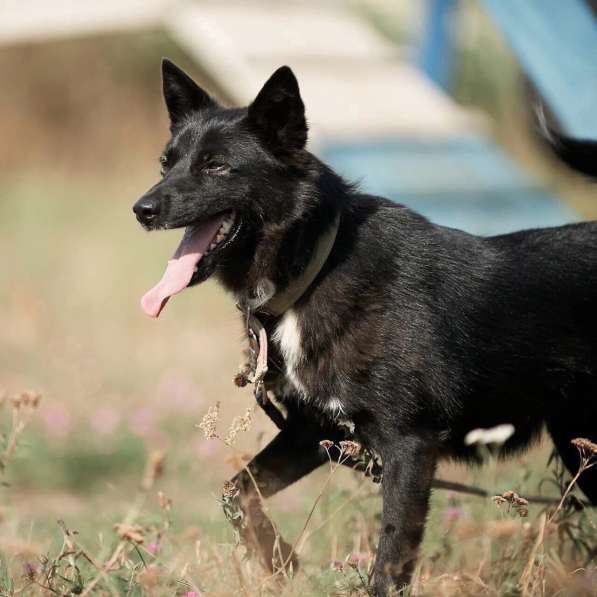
[(272, 303), (288, 256)]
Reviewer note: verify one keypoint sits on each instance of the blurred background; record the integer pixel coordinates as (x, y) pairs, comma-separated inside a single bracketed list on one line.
[(425, 102)]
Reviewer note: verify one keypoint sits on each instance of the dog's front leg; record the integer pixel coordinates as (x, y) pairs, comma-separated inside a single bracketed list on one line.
[(291, 455), (408, 468)]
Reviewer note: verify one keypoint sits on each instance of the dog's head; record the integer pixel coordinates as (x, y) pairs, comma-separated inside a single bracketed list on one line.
[(227, 178)]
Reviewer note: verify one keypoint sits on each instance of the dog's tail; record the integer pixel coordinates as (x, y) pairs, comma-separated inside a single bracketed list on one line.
[(578, 154)]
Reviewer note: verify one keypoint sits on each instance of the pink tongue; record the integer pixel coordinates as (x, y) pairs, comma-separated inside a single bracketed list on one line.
[(181, 267)]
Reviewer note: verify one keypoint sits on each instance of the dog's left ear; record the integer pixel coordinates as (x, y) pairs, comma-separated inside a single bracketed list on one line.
[(181, 94), (278, 112)]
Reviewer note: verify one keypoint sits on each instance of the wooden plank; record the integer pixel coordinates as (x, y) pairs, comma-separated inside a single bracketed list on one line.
[(26, 21), (356, 88)]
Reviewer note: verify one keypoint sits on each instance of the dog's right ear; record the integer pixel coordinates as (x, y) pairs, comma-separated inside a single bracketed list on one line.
[(181, 94)]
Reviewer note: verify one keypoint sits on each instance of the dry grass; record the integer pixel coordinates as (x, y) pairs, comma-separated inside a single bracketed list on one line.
[(476, 549)]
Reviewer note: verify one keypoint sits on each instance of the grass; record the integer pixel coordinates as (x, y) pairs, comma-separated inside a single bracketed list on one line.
[(120, 390)]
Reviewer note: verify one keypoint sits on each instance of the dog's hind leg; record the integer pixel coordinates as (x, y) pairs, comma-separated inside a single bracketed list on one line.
[(291, 455)]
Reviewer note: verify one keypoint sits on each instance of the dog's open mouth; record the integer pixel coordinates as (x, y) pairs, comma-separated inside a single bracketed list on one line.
[(199, 241)]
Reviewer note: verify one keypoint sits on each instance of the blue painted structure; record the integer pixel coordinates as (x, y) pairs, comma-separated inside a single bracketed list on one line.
[(436, 53), (555, 41), (469, 183), (464, 183)]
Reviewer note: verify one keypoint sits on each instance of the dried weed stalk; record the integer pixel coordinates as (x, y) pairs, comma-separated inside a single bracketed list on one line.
[(532, 579), (22, 406), (210, 421)]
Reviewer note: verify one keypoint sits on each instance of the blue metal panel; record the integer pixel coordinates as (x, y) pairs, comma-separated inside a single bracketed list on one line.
[(466, 183), (556, 43), (437, 43)]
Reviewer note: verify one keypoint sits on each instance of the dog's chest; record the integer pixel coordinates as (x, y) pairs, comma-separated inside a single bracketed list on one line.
[(311, 383), (287, 336)]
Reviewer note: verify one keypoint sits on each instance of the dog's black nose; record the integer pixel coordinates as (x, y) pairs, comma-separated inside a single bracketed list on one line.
[(147, 209)]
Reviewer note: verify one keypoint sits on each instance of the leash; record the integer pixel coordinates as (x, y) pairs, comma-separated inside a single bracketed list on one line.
[(255, 371)]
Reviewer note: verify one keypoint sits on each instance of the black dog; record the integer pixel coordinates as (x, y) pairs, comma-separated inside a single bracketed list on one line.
[(414, 333)]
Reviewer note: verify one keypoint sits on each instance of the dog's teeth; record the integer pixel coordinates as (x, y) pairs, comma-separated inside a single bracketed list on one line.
[(222, 233)]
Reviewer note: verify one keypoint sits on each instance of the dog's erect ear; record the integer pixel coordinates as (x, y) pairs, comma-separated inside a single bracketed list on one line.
[(181, 93), (278, 112)]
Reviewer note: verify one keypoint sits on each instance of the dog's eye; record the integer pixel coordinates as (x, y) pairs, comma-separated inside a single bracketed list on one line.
[(214, 166)]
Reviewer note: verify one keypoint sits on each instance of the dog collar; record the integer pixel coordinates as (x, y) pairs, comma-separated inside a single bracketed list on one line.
[(281, 302), (256, 369)]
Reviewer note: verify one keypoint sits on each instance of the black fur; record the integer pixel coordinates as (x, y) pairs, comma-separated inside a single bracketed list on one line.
[(419, 332), (578, 154)]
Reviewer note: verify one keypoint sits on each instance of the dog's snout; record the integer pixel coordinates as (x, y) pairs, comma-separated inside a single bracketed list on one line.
[(147, 209)]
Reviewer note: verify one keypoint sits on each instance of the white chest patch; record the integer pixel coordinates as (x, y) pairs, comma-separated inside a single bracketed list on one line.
[(288, 338)]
